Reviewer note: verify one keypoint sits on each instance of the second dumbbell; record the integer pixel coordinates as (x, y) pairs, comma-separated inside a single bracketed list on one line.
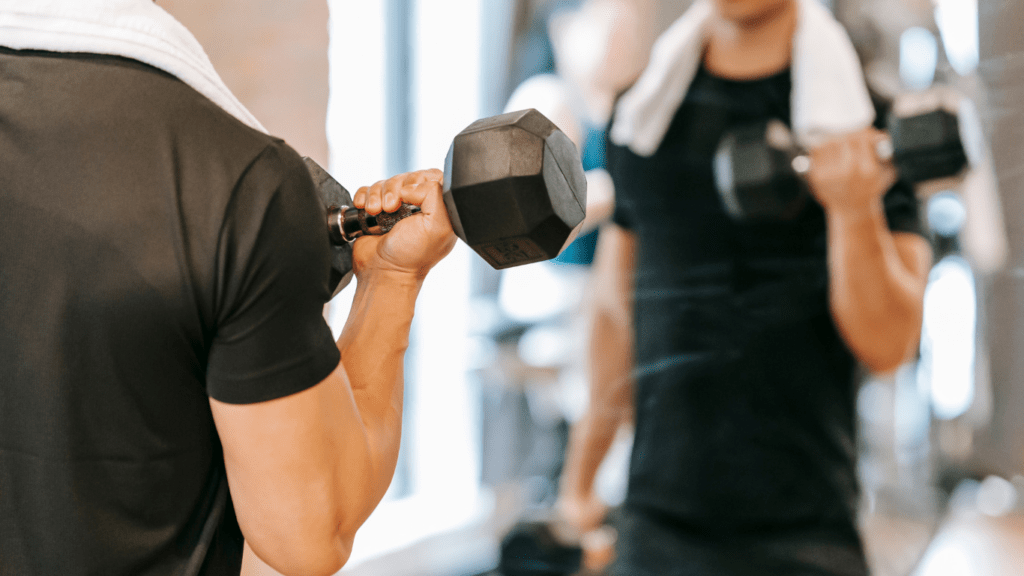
[(760, 171)]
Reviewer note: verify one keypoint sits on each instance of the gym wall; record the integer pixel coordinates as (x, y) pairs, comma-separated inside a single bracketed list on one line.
[(1001, 446), (273, 56)]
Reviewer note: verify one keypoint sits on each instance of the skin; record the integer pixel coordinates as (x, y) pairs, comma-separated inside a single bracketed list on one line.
[(877, 277), (611, 388), (306, 470)]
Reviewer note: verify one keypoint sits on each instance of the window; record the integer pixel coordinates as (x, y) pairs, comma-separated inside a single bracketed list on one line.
[(405, 78)]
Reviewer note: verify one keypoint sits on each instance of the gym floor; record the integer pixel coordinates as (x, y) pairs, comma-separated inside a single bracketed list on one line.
[(968, 543)]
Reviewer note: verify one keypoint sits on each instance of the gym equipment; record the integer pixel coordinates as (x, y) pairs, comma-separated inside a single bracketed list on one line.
[(760, 171), (534, 548), (514, 190)]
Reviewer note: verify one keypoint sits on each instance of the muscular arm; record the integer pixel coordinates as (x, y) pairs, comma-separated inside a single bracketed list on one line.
[(877, 277), (307, 469), (611, 389), (877, 280)]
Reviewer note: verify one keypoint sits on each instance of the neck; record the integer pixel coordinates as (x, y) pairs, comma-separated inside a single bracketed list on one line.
[(754, 45)]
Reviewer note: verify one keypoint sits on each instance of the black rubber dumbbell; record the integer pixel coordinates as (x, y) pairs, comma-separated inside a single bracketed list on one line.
[(760, 171), (536, 548), (514, 189)]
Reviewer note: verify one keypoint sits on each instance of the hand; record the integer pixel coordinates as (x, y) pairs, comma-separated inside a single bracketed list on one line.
[(418, 242), (846, 173), (585, 513)]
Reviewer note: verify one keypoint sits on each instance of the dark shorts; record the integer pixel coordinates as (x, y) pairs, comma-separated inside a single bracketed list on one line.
[(649, 546)]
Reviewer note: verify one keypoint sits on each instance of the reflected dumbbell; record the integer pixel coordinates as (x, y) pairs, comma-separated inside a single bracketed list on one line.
[(514, 190), (760, 171), (548, 546), (537, 548)]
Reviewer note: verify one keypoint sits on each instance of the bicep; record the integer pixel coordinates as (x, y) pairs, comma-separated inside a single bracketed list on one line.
[(278, 392), (916, 256), (280, 457)]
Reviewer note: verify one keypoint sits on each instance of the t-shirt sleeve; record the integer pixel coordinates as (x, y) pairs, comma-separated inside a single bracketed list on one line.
[(902, 209), (623, 211), (273, 260)]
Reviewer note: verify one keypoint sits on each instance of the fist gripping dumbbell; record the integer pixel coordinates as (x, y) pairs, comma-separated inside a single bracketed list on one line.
[(760, 172), (514, 189)]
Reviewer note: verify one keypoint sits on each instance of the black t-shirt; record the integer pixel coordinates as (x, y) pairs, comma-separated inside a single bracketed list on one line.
[(155, 253), (745, 390)]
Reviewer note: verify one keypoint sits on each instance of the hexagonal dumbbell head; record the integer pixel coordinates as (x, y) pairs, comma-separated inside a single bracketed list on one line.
[(927, 145), (514, 188)]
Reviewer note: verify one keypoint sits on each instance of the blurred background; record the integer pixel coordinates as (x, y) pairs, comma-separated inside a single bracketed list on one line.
[(496, 368)]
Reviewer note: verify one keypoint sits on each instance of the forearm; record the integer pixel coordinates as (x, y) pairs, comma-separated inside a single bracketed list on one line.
[(373, 345), (341, 442), (876, 296), (589, 441), (610, 403)]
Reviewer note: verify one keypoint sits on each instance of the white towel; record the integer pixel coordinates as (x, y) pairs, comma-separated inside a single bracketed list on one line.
[(829, 96), (136, 29)]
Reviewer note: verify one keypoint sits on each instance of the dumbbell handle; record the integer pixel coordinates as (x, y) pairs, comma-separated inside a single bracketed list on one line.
[(347, 223), (883, 149)]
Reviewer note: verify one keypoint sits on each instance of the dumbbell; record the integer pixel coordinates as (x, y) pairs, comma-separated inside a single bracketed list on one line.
[(539, 548), (543, 543), (514, 190), (760, 172)]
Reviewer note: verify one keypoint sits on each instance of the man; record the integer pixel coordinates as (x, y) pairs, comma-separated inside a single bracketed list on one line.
[(735, 345), (169, 383)]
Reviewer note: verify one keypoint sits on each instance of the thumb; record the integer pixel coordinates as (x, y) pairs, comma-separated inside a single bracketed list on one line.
[(433, 199)]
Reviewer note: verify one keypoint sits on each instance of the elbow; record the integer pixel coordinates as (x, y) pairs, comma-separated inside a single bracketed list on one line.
[(884, 342), (312, 540), (898, 346), (884, 364), (309, 557)]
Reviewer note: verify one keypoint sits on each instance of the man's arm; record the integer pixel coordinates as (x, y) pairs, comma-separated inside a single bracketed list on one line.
[(611, 386), (306, 470), (877, 277)]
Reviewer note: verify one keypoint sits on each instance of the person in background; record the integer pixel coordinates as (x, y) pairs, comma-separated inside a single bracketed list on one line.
[(732, 347)]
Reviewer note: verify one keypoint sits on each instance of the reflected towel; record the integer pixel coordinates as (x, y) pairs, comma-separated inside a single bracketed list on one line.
[(830, 96)]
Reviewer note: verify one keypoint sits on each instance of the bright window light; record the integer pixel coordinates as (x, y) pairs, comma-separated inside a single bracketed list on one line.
[(441, 406), (996, 496), (947, 559), (355, 108), (447, 96), (946, 214), (958, 25), (947, 337), (918, 57), (540, 292)]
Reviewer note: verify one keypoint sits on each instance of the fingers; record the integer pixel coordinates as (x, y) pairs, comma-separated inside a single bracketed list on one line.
[(392, 194), (432, 174), (871, 166), (847, 172), (409, 188), (862, 148), (855, 153)]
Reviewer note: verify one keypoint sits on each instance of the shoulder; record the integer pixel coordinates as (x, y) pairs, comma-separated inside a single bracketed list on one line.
[(167, 110)]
